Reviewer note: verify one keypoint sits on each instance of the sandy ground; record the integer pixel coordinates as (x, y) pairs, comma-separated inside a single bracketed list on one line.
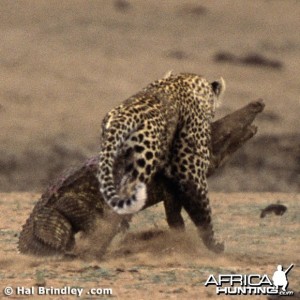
[(150, 262), (64, 64)]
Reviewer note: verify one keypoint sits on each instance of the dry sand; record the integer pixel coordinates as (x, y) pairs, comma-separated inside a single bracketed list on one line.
[(150, 262), (64, 64)]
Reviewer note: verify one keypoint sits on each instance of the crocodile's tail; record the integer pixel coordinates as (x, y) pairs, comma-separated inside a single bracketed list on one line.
[(113, 141), (46, 233)]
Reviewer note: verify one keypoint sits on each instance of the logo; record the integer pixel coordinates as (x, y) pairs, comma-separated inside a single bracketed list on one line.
[(252, 284)]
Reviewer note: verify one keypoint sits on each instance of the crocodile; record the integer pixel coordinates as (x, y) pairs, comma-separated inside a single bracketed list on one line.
[(73, 202)]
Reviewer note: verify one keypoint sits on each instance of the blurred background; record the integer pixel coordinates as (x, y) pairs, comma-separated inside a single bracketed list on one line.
[(64, 64)]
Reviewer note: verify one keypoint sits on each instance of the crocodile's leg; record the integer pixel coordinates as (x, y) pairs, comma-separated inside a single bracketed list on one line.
[(79, 209), (117, 224), (82, 210)]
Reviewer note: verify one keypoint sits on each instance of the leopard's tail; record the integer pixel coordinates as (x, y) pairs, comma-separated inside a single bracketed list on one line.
[(108, 154)]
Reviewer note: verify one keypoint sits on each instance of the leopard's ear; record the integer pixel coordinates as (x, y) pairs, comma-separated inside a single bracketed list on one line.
[(168, 74), (219, 87)]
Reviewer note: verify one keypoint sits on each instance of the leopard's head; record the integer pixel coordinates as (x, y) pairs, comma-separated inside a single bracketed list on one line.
[(207, 95)]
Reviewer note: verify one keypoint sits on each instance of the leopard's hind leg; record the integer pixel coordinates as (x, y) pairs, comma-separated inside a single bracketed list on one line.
[(189, 164), (198, 208), (173, 205)]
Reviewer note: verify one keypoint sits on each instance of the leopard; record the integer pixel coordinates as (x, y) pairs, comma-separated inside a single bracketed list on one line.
[(164, 126)]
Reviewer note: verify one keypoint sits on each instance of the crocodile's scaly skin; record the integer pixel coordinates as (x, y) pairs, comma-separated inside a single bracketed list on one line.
[(72, 204), (68, 206)]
